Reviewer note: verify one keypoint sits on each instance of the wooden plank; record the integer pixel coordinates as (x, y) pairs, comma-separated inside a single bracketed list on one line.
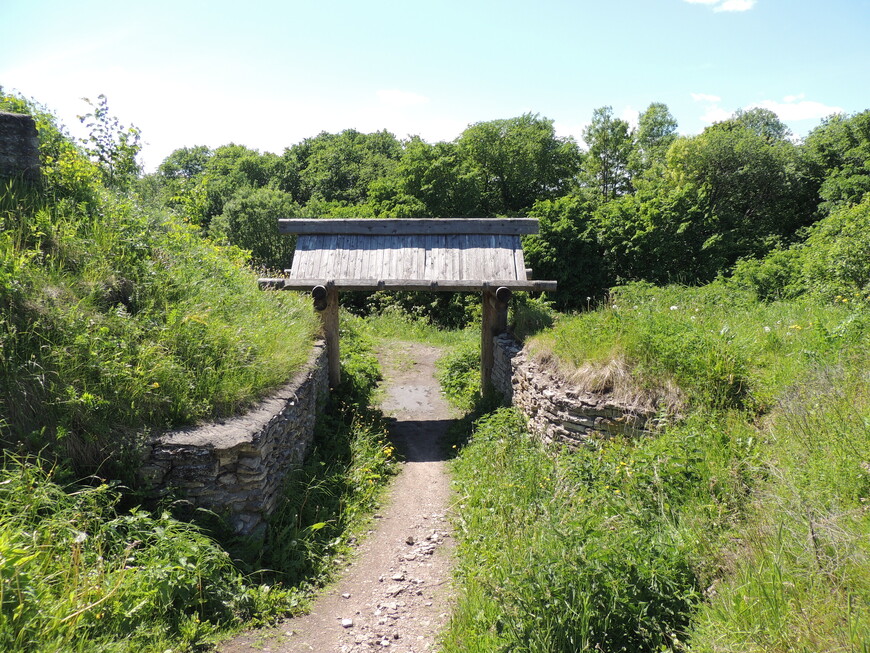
[(329, 322), (333, 259), (460, 285), (317, 259), (505, 258), (520, 264), (420, 267), (348, 258), (359, 245), (518, 226), (474, 259), (393, 263), (494, 316), (367, 251), (408, 260)]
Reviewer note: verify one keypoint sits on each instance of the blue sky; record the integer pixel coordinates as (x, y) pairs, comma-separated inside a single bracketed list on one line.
[(268, 74)]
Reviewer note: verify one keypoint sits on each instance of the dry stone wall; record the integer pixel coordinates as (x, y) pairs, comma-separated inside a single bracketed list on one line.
[(19, 147), (557, 412), (237, 467)]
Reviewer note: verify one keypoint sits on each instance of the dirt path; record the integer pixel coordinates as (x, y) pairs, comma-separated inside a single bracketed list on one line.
[(395, 595)]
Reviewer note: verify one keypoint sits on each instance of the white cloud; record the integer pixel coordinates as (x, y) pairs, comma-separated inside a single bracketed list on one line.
[(715, 114), (794, 107), (726, 5), (397, 99), (735, 5), (631, 116)]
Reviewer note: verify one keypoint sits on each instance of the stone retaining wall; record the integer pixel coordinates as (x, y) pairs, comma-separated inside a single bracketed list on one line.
[(19, 147), (556, 411), (236, 467)]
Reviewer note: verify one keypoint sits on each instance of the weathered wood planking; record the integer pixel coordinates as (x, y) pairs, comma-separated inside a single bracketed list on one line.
[(468, 254), (431, 257), (450, 285)]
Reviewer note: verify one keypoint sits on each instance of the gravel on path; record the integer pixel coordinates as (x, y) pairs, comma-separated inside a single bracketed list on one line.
[(395, 594)]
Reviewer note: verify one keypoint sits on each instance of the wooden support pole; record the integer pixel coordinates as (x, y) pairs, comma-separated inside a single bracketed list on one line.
[(494, 322), (326, 303)]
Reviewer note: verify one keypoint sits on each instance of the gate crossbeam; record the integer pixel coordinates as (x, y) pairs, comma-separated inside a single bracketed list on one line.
[(434, 255)]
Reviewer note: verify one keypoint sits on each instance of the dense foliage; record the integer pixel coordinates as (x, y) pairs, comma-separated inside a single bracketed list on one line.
[(80, 570), (635, 204), (127, 305), (117, 318), (739, 525)]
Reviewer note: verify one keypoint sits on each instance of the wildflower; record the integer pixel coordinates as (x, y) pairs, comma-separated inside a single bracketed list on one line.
[(767, 329), (674, 308)]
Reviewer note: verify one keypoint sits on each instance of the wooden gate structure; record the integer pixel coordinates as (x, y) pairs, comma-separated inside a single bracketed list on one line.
[(462, 254)]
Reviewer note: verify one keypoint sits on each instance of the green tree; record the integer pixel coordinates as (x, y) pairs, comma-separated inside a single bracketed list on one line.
[(339, 167), (750, 192), (199, 182), (764, 123), (567, 250), (517, 162), (186, 162), (428, 181), (111, 145), (839, 153), (610, 149), (250, 221), (656, 131)]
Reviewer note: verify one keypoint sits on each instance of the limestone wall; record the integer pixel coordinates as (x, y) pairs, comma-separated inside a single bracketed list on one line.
[(557, 413), (236, 467), (19, 147)]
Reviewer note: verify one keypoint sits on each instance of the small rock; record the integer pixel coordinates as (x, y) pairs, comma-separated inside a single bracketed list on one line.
[(345, 595), (347, 623), (410, 541), (399, 575)]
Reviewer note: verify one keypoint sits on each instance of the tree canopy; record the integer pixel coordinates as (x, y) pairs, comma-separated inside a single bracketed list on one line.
[(634, 203)]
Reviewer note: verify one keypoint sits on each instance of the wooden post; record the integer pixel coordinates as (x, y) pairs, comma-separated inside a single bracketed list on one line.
[(326, 302), (494, 322)]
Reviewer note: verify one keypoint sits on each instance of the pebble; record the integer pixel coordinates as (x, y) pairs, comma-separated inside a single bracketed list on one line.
[(347, 623)]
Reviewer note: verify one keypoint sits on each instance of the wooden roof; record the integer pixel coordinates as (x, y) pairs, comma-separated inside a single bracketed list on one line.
[(425, 254)]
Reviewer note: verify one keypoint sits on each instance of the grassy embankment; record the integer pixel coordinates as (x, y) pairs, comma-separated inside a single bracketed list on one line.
[(741, 524), (118, 320)]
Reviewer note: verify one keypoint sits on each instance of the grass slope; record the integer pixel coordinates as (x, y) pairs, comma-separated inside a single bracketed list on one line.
[(740, 526)]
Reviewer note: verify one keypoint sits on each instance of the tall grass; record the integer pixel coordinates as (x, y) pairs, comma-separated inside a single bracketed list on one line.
[(82, 570), (78, 574), (740, 526), (115, 320)]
